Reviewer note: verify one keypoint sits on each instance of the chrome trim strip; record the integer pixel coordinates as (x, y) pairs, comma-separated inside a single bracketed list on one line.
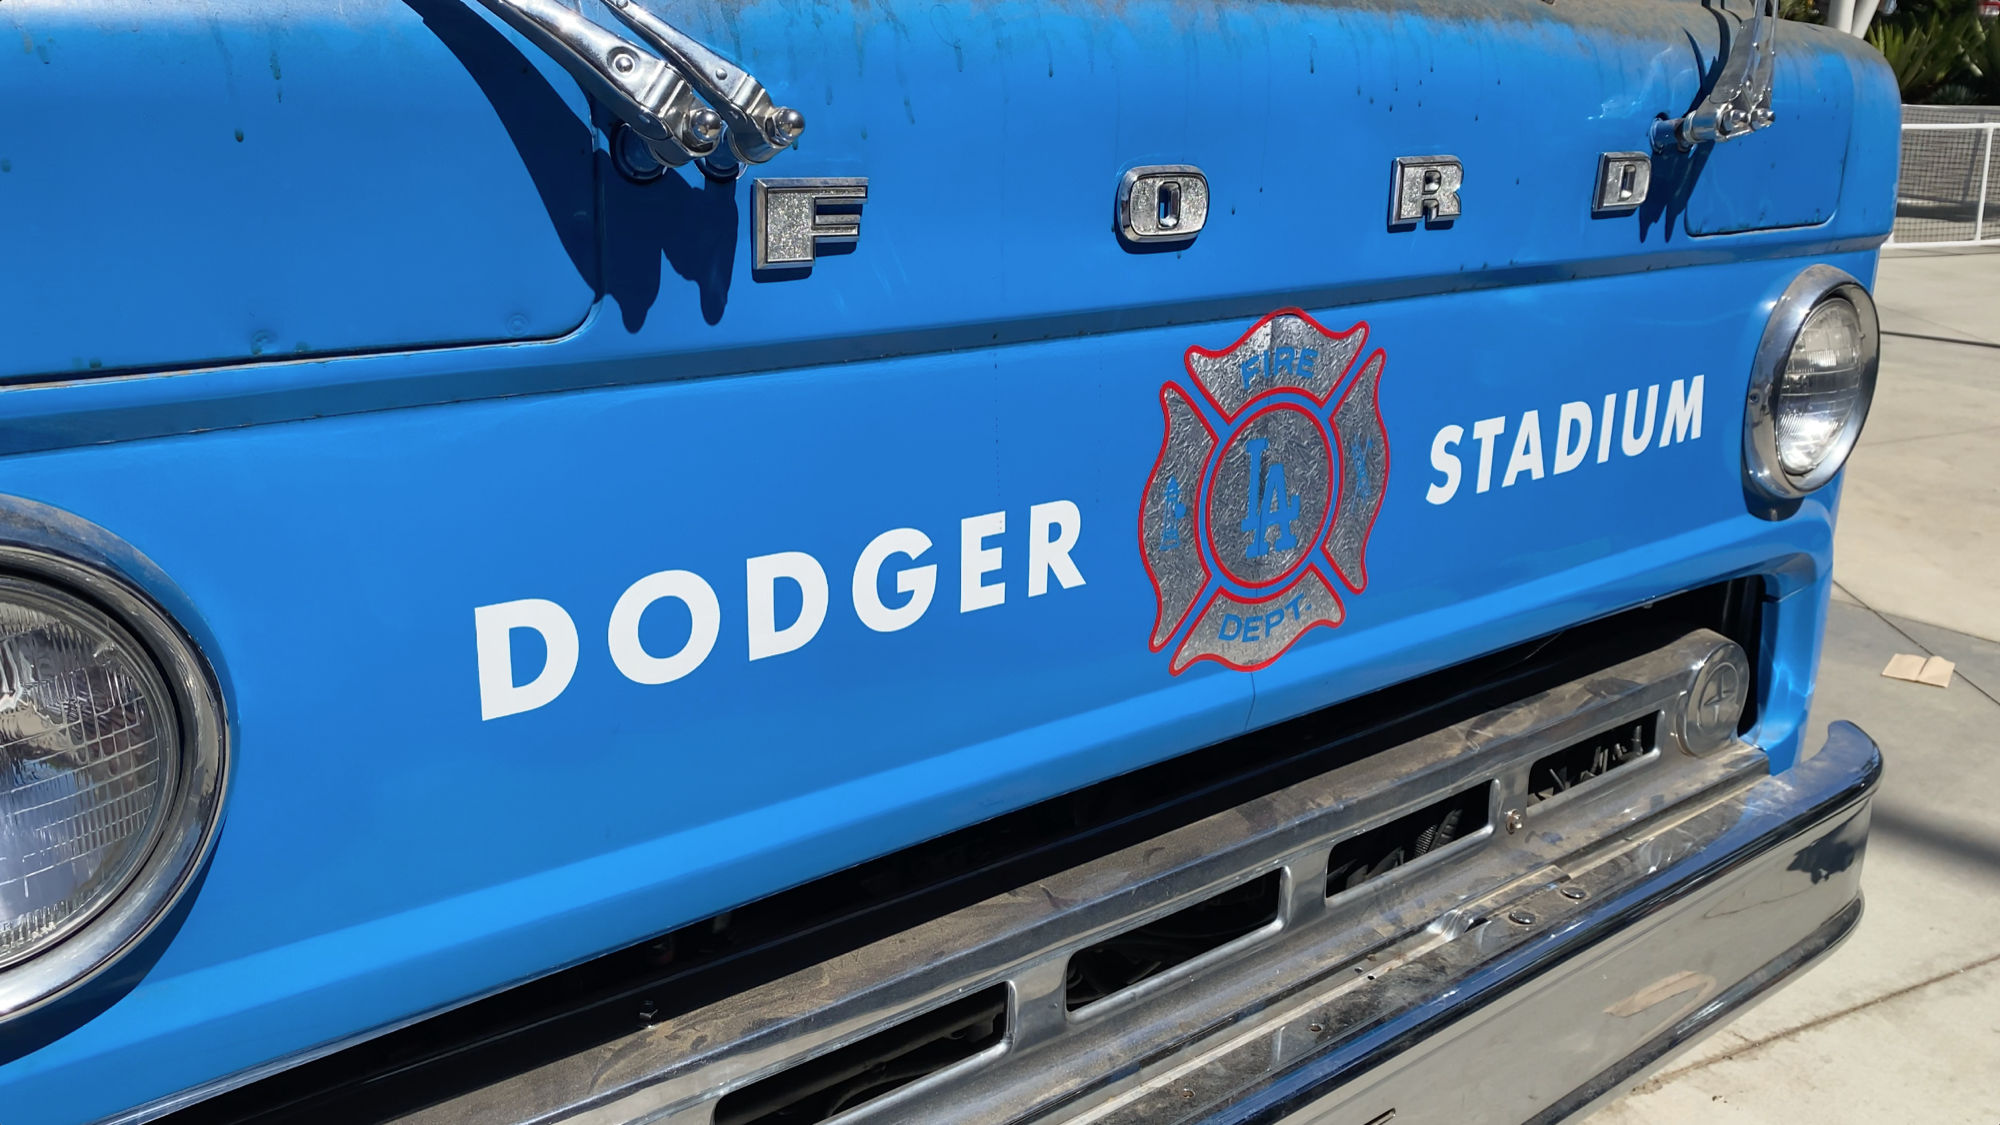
[(53, 410), (1051, 1063)]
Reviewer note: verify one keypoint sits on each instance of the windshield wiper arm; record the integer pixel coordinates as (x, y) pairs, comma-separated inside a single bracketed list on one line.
[(1740, 102), (660, 99)]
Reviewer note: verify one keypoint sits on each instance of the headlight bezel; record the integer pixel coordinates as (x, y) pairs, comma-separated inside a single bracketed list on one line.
[(1763, 468), (117, 675), (79, 562)]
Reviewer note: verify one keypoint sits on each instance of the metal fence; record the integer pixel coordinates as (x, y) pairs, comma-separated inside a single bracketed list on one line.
[(1948, 188)]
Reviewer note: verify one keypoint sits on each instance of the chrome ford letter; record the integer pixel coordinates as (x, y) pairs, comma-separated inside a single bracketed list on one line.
[(791, 217), (1162, 203), (1622, 181), (1425, 188)]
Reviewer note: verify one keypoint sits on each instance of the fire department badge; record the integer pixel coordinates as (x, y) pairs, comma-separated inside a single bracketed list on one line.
[(1265, 489)]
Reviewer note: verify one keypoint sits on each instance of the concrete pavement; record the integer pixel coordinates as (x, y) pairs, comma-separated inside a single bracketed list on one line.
[(1949, 294), (1902, 1023), (1919, 531)]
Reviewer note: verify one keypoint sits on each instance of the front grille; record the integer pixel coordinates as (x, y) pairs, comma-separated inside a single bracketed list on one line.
[(487, 1041)]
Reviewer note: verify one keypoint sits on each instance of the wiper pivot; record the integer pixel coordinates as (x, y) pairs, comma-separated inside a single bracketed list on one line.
[(1740, 102)]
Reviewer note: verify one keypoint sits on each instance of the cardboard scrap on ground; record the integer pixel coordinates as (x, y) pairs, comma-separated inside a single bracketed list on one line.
[(1936, 671)]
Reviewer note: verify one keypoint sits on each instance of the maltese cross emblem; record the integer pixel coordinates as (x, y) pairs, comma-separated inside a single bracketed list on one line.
[(1267, 484)]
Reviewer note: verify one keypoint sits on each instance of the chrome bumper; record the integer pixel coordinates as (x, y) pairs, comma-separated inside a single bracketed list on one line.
[(1519, 974), (1681, 931)]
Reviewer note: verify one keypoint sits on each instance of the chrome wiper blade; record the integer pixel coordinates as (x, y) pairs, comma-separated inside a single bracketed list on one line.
[(1740, 102), (660, 99), (758, 128)]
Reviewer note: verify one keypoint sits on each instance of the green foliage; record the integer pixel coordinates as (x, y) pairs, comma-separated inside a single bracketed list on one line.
[(1988, 63), (1940, 50)]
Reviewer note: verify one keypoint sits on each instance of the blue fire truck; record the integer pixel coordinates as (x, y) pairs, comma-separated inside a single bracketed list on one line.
[(767, 562)]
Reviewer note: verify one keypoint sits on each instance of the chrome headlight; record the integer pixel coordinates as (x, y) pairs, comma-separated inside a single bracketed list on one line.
[(1813, 382), (111, 763)]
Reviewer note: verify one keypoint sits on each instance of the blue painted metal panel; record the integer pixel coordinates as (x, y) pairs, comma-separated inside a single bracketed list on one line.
[(1790, 174), (388, 852), (965, 221), (192, 183)]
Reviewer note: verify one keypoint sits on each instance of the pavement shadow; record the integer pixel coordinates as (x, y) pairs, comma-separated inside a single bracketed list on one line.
[(1956, 844)]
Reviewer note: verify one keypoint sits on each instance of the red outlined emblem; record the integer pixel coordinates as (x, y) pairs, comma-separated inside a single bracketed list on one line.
[(1268, 481)]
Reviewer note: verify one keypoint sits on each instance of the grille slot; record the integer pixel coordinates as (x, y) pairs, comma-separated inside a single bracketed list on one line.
[(862, 1071), (1144, 952), (1591, 758), (1372, 854)]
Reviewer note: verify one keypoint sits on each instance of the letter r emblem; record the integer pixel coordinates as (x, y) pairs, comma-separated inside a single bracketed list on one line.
[(1425, 188)]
